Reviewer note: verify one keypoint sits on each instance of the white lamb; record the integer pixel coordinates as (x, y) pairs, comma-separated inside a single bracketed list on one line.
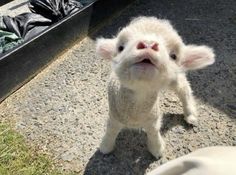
[(146, 56)]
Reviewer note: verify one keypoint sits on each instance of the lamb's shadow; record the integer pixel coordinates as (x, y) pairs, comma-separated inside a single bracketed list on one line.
[(131, 155), (170, 120)]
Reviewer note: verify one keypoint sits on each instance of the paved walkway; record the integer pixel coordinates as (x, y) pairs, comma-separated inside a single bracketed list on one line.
[(63, 110)]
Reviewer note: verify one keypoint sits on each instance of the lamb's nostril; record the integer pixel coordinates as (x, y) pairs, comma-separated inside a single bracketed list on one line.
[(141, 45), (155, 46)]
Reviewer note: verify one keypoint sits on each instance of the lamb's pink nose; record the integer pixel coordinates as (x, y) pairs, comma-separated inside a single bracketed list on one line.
[(153, 46)]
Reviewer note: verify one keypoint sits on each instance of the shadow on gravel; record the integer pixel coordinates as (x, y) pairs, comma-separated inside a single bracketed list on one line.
[(169, 121), (210, 22), (130, 156)]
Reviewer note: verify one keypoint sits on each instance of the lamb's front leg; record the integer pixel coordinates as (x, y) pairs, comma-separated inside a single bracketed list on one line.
[(109, 139), (184, 92), (155, 143)]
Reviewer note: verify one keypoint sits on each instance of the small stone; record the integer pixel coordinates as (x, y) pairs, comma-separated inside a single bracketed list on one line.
[(178, 130), (230, 124), (67, 156), (39, 124), (163, 160), (195, 129), (231, 106), (84, 79), (217, 125), (166, 104), (35, 117)]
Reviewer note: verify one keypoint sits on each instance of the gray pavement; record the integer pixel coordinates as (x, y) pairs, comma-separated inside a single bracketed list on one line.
[(14, 8), (63, 110)]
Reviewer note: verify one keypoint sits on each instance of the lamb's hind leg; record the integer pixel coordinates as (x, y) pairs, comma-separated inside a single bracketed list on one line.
[(184, 92), (155, 143), (109, 139)]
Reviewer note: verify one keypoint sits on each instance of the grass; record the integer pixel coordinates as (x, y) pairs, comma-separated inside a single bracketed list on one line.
[(16, 158)]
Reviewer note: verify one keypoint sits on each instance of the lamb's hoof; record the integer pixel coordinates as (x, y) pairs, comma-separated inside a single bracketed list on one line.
[(192, 120), (157, 150), (106, 148)]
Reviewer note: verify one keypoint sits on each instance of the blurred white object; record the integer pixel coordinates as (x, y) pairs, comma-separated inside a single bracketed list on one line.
[(218, 160)]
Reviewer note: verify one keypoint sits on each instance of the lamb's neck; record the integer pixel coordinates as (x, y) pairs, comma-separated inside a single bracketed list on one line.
[(140, 94)]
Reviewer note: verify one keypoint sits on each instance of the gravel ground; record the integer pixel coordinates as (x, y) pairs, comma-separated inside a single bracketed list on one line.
[(63, 110), (14, 8)]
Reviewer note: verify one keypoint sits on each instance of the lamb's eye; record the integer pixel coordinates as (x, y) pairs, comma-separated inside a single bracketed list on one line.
[(120, 48), (173, 56)]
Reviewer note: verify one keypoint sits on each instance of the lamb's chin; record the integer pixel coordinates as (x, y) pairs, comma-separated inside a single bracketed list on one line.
[(143, 72), (142, 66)]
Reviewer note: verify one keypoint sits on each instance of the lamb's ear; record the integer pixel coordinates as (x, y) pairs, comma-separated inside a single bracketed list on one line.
[(197, 57), (106, 48)]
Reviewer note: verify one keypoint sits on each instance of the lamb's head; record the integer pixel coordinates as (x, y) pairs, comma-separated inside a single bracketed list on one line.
[(149, 52)]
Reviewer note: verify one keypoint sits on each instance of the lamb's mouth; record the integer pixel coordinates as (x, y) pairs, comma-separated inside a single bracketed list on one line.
[(145, 61)]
